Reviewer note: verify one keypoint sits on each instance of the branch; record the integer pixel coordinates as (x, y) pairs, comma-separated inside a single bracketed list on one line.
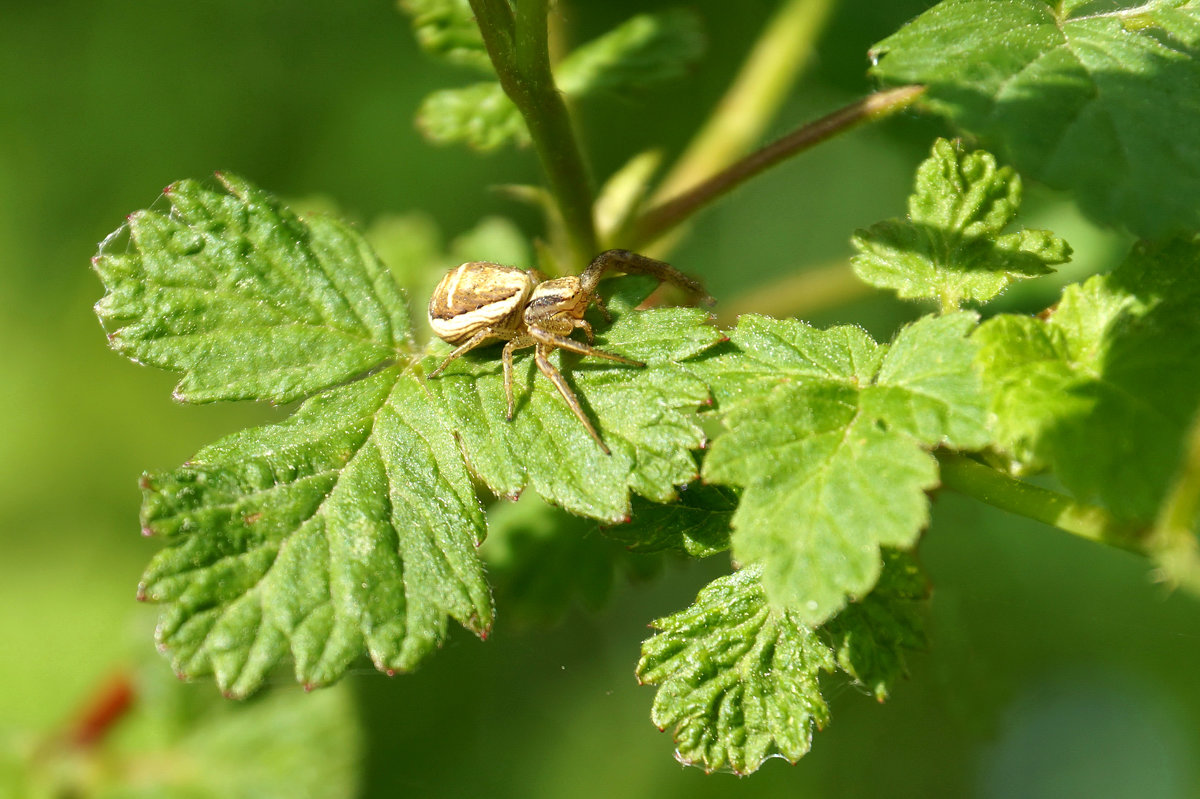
[(660, 219), (518, 47), (974, 479)]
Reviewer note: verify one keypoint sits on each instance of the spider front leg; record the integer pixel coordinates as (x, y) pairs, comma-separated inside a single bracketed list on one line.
[(549, 337), (635, 263), (547, 368)]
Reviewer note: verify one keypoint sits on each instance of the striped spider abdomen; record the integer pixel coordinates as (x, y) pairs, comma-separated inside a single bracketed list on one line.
[(477, 296)]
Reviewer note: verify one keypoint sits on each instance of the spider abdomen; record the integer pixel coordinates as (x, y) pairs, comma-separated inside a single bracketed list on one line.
[(476, 296)]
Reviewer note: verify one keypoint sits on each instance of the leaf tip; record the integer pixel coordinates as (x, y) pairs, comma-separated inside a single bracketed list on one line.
[(482, 630)]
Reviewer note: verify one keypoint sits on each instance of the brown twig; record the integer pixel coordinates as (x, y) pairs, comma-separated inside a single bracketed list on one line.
[(662, 218)]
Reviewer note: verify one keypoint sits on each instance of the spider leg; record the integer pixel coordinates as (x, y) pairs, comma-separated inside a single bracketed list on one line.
[(470, 344), (547, 368), (547, 337), (507, 358), (586, 326), (602, 307), (634, 263)]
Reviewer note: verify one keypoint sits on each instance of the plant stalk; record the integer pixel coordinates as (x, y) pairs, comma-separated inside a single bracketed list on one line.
[(662, 218), (518, 47), (741, 117), (974, 479)]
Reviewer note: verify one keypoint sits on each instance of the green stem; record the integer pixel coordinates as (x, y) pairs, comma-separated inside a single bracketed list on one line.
[(517, 44), (660, 219), (974, 479), (751, 102), (498, 28)]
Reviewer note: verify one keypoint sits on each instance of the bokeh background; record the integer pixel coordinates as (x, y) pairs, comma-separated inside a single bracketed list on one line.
[(1056, 668)]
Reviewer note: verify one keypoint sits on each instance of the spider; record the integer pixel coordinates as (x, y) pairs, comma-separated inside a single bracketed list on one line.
[(479, 302)]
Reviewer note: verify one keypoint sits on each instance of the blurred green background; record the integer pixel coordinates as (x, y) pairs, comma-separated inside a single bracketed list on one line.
[(1056, 668)]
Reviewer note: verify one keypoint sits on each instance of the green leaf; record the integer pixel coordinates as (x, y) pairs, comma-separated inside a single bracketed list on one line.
[(447, 29), (647, 416), (643, 50), (1082, 95), (1103, 389), (698, 524), (738, 677), (870, 638), (246, 299), (480, 116), (543, 561), (646, 49), (950, 247), (350, 527), (828, 433)]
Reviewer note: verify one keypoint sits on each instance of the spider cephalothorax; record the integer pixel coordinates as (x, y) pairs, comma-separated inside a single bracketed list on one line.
[(479, 302)]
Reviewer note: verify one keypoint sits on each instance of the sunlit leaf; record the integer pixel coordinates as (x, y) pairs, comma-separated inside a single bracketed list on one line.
[(1095, 97), (828, 434), (248, 300), (349, 528), (1098, 390), (738, 679), (952, 246)]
